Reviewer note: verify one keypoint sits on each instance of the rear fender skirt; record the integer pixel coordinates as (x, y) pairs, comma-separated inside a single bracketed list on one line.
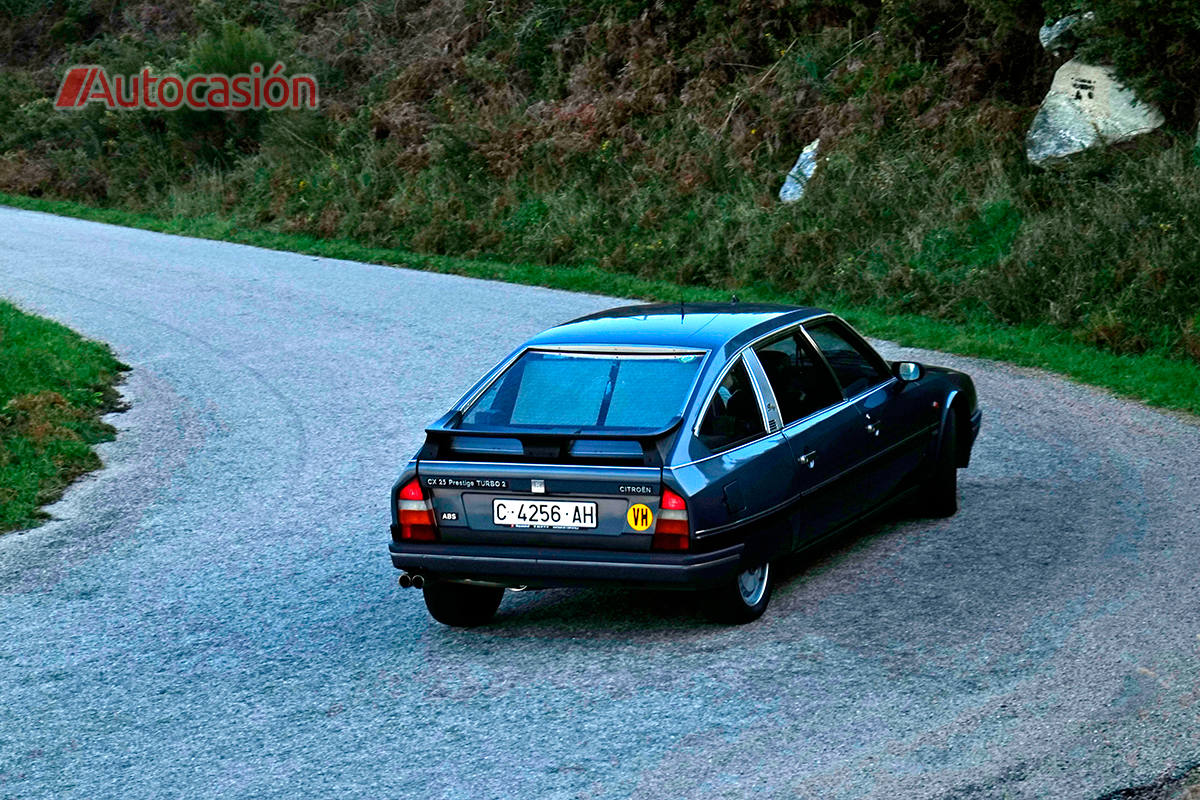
[(765, 536), (766, 540)]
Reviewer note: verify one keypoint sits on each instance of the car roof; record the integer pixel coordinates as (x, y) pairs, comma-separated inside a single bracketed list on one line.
[(707, 326)]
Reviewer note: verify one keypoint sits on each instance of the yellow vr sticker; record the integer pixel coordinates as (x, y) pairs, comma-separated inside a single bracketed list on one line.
[(639, 516)]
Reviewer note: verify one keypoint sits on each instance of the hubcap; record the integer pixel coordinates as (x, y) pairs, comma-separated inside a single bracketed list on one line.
[(752, 584)]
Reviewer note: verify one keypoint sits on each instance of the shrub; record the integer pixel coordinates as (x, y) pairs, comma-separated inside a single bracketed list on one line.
[(1155, 47), (230, 49)]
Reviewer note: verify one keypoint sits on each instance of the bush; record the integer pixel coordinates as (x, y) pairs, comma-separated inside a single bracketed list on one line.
[(1155, 47), (229, 50)]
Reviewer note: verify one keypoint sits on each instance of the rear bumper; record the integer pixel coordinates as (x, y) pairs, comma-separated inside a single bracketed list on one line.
[(541, 567)]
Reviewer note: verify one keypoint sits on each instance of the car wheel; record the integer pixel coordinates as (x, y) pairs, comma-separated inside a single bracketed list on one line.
[(941, 492), (462, 605), (744, 599)]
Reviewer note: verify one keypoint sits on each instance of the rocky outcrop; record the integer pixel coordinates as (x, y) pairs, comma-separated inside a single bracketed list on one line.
[(799, 175), (1061, 35)]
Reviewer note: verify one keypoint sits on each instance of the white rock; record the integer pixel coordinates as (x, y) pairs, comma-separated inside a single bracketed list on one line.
[(799, 175), (1086, 107)]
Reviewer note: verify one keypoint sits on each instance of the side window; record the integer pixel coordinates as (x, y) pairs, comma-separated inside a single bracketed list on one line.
[(801, 382), (733, 413), (857, 368)]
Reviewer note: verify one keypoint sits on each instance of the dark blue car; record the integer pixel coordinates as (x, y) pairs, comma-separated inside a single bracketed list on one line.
[(684, 446)]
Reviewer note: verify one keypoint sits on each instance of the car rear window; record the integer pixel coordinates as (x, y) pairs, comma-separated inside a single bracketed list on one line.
[(587, 391)]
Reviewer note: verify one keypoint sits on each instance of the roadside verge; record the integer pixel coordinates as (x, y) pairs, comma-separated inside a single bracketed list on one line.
[(1153, 377), (54, 387)]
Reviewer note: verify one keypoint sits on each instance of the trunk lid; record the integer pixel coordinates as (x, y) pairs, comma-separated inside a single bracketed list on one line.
[(543, 489)]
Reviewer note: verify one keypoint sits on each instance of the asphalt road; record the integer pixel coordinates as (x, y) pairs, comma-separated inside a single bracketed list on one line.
[(215, 613)]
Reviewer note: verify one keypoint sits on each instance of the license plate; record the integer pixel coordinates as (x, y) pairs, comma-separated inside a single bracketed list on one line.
[(543, 514)]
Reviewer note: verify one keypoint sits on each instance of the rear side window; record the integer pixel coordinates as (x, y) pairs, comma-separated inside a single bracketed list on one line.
[(802, 383), (857, 368), (733, 413), (586, 391)]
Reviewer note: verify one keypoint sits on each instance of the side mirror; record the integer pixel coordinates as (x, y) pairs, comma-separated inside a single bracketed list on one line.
[(908, 371)]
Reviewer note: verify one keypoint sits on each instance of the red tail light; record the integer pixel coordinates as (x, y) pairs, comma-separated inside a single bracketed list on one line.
[(671, 530), (416, 514)]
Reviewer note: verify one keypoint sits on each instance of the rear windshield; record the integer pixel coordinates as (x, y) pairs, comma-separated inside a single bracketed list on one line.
[(585, 391)]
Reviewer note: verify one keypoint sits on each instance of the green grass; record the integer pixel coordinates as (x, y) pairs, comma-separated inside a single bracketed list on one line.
[(53, 389), (623, 139), (1156, 378)]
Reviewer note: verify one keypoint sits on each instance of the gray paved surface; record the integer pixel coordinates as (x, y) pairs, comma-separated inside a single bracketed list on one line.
[(215, 613)]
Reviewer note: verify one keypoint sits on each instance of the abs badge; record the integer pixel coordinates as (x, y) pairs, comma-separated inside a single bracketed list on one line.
[(639, 516)]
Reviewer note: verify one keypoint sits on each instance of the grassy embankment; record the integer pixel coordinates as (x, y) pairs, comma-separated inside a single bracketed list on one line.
[(54, 386), (650, 140), (1154, 378), (615, 139)]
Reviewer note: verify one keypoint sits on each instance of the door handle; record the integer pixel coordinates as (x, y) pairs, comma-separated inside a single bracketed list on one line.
[(809, 459), (873, 428)]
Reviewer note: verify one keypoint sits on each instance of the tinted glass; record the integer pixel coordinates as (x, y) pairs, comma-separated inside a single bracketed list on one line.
[(585, 391), (733, 414), (801, 382), (856, 368)]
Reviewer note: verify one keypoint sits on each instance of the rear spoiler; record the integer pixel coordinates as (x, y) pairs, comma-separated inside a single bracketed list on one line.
[(444, 440)]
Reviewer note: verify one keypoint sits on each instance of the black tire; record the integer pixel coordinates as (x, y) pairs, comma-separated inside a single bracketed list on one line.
[(735, 602), (940, 498), (462, 605)]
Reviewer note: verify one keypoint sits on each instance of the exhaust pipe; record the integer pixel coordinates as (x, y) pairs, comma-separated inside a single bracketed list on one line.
[(418, 581), (405, 580)]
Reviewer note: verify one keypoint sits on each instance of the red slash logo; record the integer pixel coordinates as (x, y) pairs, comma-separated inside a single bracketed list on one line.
[(71, 94)]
